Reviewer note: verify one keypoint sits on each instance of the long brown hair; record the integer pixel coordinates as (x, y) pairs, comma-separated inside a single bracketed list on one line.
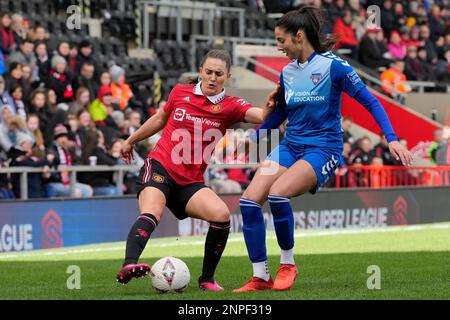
[(309, 20)]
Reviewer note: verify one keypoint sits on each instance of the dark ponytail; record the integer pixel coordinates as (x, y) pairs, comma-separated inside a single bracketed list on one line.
[(309, 20)]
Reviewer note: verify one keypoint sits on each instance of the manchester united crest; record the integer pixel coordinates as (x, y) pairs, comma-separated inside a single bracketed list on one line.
[(216, 108), (158, 178)]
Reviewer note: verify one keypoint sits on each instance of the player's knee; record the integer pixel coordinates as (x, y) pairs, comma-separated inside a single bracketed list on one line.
[(222, 215), (155, 211), (279, 191), (250, 195)]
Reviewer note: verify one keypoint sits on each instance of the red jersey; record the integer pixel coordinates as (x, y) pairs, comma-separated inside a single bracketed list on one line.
[(196, 123)]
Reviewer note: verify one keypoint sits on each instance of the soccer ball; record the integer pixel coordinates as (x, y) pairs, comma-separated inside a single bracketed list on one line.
[(170, 274)]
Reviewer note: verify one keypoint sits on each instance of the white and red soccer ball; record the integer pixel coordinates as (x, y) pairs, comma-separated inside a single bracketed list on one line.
[(170, 274)]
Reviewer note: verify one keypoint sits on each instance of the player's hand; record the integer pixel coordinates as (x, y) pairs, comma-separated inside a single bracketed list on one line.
[(126, 153), (400, 153), (270, 102)]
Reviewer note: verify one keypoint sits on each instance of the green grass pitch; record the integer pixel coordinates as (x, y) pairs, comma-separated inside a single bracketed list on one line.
[(414, 262)]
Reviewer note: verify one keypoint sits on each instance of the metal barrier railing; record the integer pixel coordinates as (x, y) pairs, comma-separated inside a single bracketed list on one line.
[(345, 177), (24, 171)]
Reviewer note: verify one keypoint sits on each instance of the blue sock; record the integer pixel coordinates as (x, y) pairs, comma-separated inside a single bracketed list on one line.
[(254, 230), (283, 221)]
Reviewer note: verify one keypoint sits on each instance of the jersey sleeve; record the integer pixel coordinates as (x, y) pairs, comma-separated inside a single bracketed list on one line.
[(168, 107), (276, 118), (345, 77), (240, 108)]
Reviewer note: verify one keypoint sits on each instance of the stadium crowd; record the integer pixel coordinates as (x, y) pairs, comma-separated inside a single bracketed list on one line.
[(411, 43), (60, 107)]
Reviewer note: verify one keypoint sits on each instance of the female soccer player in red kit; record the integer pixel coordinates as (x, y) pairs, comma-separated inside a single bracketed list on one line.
[(195, 114)]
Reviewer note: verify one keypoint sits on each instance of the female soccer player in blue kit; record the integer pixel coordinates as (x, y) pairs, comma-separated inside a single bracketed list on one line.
[(311, 85)]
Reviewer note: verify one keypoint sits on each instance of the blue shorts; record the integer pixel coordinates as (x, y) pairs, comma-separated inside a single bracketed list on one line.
[(324, 161)]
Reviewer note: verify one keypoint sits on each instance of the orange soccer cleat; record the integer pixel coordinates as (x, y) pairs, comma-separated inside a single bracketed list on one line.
[(256, 284), (286, 275)]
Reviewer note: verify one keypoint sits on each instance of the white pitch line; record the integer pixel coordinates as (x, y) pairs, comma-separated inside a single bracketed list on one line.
[(62, 252)]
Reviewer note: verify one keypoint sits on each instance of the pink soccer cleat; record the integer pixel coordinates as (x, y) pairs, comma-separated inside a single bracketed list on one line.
[(131, 271), (210, 286)]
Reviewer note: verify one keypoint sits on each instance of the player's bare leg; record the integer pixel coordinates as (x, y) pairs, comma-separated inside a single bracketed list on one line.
[(151, 205), (297, 180), (254, 227), (205, 204)]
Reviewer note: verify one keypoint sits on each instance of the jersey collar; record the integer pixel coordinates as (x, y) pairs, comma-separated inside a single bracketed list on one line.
[(305, 64), (214, 99)]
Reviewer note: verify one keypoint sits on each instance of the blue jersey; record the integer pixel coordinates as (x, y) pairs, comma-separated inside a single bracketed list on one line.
[(312, 98)]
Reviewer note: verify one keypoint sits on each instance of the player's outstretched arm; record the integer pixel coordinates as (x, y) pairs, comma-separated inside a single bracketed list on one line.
[(259, 115), (153, 125), (371, 103)]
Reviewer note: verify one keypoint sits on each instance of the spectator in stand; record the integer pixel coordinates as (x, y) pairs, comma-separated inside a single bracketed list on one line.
[(220, 183), (27, 82), (105, 79), (59, 182), (40, 34), (5, 97), (86, 79), (394, 81), (25, 54), (82, 101), (347, 122), (413, 38), (387, 15), (59, 80), (429, 73), (346, 153), (18, 103), (427, 43), (396, 47), (134, 119), (63, 50), (120, 90), (435, 22), (414, 69), (358, 17), (371, 51), (14, 76), (363, 155), (421, 15), (51, 99), (101, 182), (435, 145), (102, 107), (344, 31), (12, 130), (7, 42), (443, 153), (34, 158), (130, 176), (18, 28), (400, 17), (43, 65), (86, 55), (335, 10), (38, 107), (85, 123), (73, 53), (6, 117), (33, 127)]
